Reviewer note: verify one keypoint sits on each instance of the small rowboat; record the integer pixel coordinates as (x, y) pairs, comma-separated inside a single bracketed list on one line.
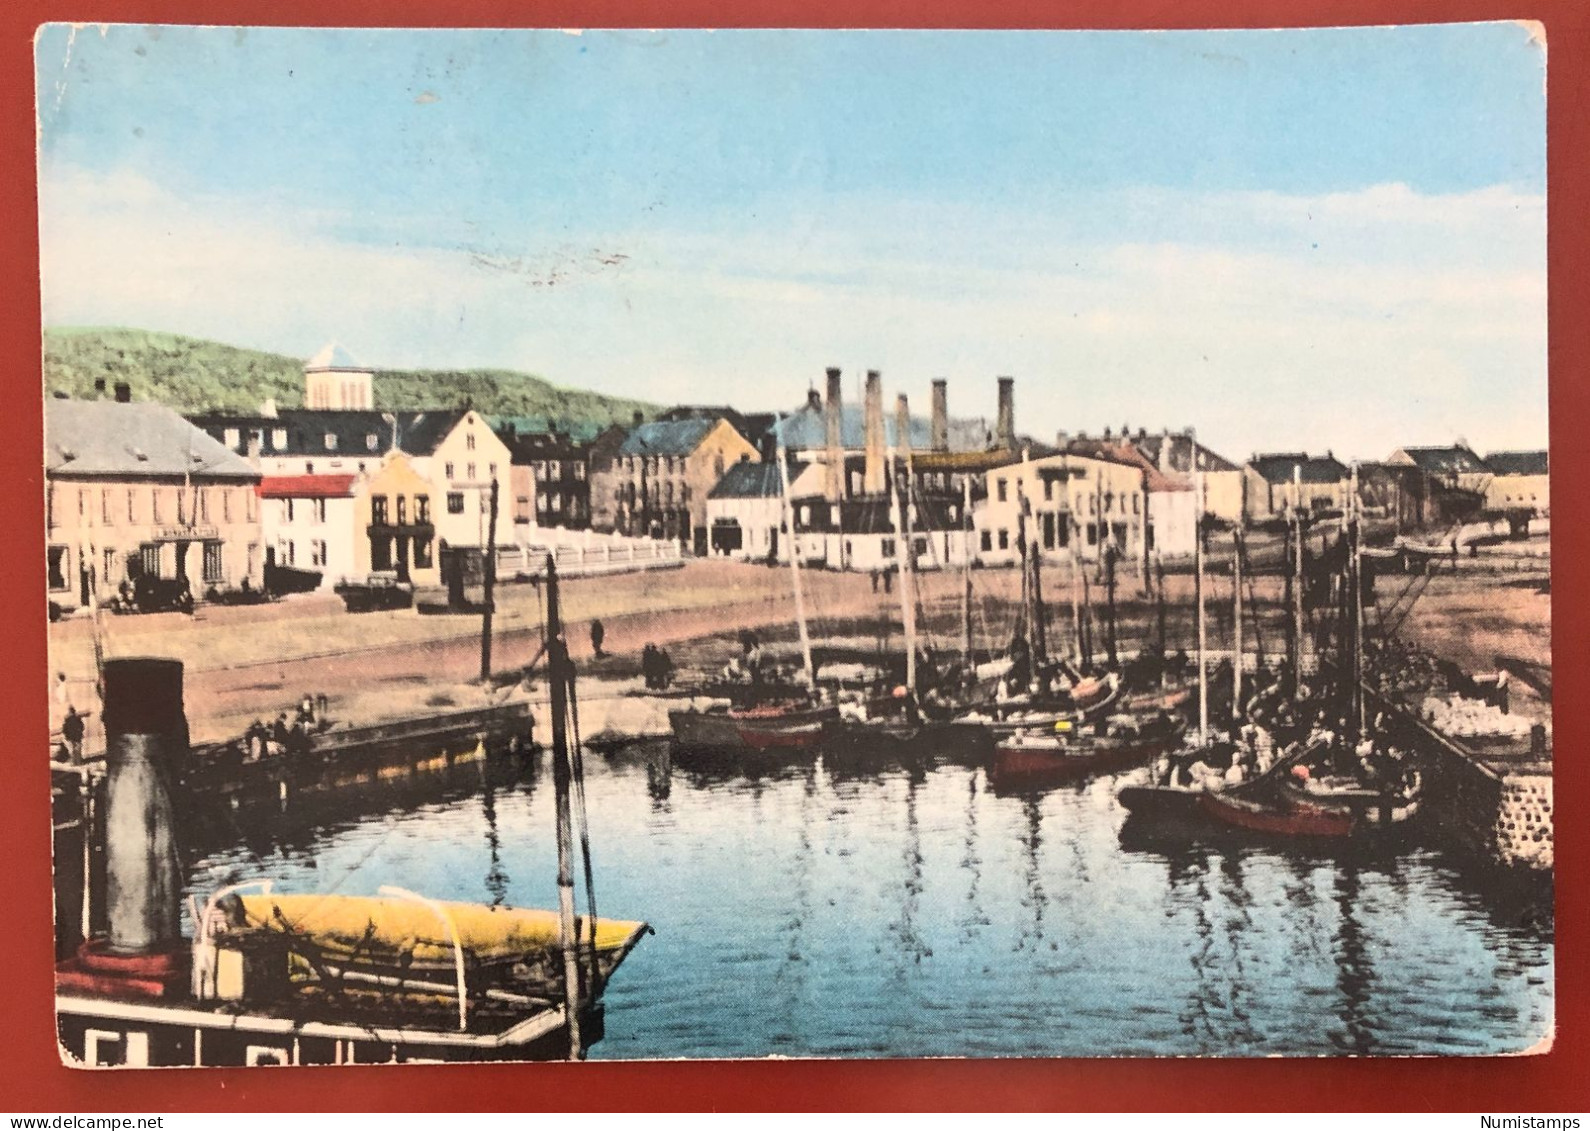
[(1288, 818), (389, 938), (782, 727), (1060, 755)]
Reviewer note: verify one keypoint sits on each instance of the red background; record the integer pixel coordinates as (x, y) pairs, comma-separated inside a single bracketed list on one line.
[(31, 1076)]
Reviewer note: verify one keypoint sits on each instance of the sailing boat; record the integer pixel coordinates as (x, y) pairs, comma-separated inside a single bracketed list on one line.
[(791, 722)]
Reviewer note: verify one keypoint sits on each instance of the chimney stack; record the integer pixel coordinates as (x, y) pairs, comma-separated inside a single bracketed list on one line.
[(873, 483), (902, 428), (941, 415), (833, 420), (1005, 430), (123, 392), (146, 738)]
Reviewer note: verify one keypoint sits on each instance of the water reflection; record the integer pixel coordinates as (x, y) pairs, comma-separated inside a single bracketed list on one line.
[(809, 909)]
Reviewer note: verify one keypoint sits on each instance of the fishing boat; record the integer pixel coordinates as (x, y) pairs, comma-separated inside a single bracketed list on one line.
[(1374, 808), (1063, 754), (1284, 818), (399, 942), (317, 979)]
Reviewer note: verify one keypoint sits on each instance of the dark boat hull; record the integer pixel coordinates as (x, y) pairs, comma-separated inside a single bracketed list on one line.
[(1023, 765)]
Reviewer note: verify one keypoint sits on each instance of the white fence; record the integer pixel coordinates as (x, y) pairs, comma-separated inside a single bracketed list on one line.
[(582, 553)]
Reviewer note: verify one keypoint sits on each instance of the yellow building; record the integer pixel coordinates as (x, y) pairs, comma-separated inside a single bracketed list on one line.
[(1520, 481), (659, 481), (396, 513), (1072, 503)]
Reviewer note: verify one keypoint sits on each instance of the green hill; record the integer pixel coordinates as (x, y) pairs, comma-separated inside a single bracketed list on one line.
[(194, 375)]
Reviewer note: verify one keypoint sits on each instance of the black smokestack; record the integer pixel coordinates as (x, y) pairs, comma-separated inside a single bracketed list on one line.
[(833, 423), (146, 736), (1005, 434)]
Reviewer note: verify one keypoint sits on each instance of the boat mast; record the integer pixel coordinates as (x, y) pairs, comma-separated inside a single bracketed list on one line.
[(1356, 578), (490, 587), (794, 559), (558, 677), (1109, 592), (1198, 600), (1236, 629), (902, 510), (966, 568), (1297, 581)]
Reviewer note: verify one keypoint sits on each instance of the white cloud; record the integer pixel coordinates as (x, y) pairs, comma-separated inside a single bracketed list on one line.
[(1357, 321)]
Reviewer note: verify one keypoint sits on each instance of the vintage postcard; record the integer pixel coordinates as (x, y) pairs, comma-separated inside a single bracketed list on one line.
[(694, 544)]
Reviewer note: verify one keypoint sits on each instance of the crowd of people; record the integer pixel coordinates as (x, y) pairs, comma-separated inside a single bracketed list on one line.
[(284, 736)]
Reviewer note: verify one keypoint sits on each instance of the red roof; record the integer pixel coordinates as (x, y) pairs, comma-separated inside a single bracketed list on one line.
[(306, 486)]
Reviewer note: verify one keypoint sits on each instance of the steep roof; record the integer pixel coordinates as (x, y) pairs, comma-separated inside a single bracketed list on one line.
[(1453, 460), (666, 437), (306, 486), (1518, 463), (1278, 467), (748, 480), (139, 439), (333, 356), (806, 429), (350, 431), (1175, 451)]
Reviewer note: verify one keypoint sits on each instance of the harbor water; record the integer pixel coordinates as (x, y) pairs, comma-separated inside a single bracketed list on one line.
[(801, 911)]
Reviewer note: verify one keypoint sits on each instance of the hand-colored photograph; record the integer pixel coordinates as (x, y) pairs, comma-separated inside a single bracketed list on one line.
[(640, 545)]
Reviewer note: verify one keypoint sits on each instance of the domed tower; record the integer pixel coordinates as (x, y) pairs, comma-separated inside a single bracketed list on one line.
[(333, 379)]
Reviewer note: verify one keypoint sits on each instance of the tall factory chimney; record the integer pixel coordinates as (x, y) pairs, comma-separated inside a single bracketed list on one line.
[(1005, 434), (902, 427), (941, 415), (833, 420), (872, 479)]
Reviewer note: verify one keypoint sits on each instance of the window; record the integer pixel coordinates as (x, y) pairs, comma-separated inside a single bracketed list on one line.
[(402, 510), (331, 441), (557, 504), (378, 510), (988, 540), (202, 497), (1093, 535), (82, 502), (372, 441), (279, 439), (422, 509), (232, 438), (249, 498), (290, 554), (422, 553), (320, 510), (57, 566), (213, 571), (154, 505), (1048, 490), (287, 511), (317, 553), (921, 546), (579, 472), (149, 559), (104, 505), (1004, 539), (447, 470), (541, 471), (226, 504), (110, 567), (131, 505), (806, 514), (554, 469), (1000, 484), (886, 547), (541, 503), (521, 510), (469, 441), (455, 502), (309, 467), (1134, 504), (491, 468), (380, 553), (469, 472)]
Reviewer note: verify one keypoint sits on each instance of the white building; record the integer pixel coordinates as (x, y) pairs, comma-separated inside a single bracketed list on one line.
[(309, 523)]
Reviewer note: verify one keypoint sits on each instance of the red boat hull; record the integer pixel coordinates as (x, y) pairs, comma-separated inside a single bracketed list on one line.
[(1291, 820), (1015, 765)]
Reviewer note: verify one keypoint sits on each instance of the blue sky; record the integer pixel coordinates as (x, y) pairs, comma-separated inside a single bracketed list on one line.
[(1330, 238)]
